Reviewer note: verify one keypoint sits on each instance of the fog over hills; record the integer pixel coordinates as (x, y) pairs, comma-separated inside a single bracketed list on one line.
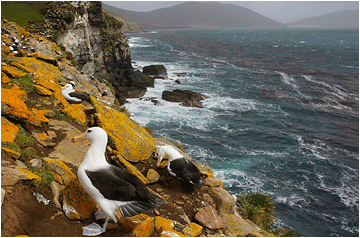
[(196, 15), (339, 19)]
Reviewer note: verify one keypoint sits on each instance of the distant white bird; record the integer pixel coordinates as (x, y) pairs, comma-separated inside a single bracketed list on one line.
[(72, 95)]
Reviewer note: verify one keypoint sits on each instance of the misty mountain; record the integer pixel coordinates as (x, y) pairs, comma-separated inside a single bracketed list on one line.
[(196, 15), (340, 19)]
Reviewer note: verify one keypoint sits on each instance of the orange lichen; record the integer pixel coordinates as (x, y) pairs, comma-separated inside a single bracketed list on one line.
[(75, 111), (8, 130), (12, 105), (61, 168), (92, 90), (42, 91), (41, 67), (161, 222), (28, 174), (5, 49), (130, 168), (5, 79), (13, 72), (22, 67), (36, 118), (46, 82), (132, 141), (11, 153), (58, 95), (46, 58), (140, 225), (192, 230), (77, 204), (168, 232)]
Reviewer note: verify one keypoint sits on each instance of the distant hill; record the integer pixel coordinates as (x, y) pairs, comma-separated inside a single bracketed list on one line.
[(196, 15), (127, 26), (340, 19)]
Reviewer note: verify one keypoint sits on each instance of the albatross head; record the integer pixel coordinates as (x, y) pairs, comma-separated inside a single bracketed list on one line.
[(68, 88), (93, 135)]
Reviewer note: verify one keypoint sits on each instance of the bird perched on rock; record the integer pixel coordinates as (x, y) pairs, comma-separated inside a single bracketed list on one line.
[(179, 166), (112, 188), (72, 95)]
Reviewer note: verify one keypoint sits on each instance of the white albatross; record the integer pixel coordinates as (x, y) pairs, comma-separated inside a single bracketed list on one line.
[(112, 188), (72, 95), (179, 166)]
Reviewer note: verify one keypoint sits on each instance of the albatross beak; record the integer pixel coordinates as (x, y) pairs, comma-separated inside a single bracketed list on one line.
[(158, 162), (79, 138)]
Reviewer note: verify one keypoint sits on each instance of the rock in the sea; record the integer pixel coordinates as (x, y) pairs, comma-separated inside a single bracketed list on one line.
[(188, 98), (155, 70), (209, 217)]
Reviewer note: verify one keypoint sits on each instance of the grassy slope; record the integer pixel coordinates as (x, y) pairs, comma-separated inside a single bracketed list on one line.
[(21, 12)]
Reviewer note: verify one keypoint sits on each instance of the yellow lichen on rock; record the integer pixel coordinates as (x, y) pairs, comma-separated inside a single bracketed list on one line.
[(42, 91), (46, 58), (12, 105), (129, 167), (161, 222), (11, 153), (8, 130), (38, 118), (46, 82), (75, 111), (41, 68), (132, 141), (5, 79), (28, 174), (62, 169), (13, 72), (5, 49), (168, 232), (77, 204), (22, 67), (192, 230), (60, 97), (140, 225)]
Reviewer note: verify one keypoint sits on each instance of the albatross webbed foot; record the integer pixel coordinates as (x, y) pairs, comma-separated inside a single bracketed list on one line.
[(95, 229)]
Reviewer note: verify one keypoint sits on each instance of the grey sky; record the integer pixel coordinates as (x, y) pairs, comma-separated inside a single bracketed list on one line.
[(281, 11)]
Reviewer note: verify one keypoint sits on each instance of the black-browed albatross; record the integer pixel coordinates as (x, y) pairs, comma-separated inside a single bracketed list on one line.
[(179, 166), (111, 187), (72, 95)]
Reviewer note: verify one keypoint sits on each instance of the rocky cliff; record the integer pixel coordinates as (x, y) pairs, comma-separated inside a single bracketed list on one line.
[(41, 195)]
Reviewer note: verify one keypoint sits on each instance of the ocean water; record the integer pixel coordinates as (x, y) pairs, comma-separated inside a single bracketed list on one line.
[(282, 115)]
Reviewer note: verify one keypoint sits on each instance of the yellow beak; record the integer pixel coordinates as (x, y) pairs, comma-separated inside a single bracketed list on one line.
[(79, 138)]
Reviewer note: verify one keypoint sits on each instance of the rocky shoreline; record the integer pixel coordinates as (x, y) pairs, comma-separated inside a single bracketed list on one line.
[(37, 126)]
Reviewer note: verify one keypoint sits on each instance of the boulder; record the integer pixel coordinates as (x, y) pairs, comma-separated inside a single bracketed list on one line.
[(77, 204), (131, 140), (168, 232), (11, 153), (12, 72), (161, 222), (5, 79), (213, 182), (188, 98), (192, 230), (141, 80), (61, 169), (42, 91), (75, 111), (65, 150), (10, 175), (152, 176), (43, 139), (224, 201), (140, 225), (155, 70), (209, 217)]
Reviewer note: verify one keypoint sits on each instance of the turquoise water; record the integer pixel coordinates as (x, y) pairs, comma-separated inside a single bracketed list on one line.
[(281, 117)]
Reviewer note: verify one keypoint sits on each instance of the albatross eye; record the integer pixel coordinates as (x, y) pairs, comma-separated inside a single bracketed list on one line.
[(88, 131)]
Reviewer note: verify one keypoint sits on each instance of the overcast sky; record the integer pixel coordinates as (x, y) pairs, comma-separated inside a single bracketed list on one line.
[(281, 11)]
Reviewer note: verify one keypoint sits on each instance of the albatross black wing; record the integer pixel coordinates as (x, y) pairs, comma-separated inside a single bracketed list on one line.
[(120, 185), (186, 171), (79, 95)]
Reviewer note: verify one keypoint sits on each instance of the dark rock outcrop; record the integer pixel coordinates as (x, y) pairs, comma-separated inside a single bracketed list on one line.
[(155, 70), (188, 98)]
